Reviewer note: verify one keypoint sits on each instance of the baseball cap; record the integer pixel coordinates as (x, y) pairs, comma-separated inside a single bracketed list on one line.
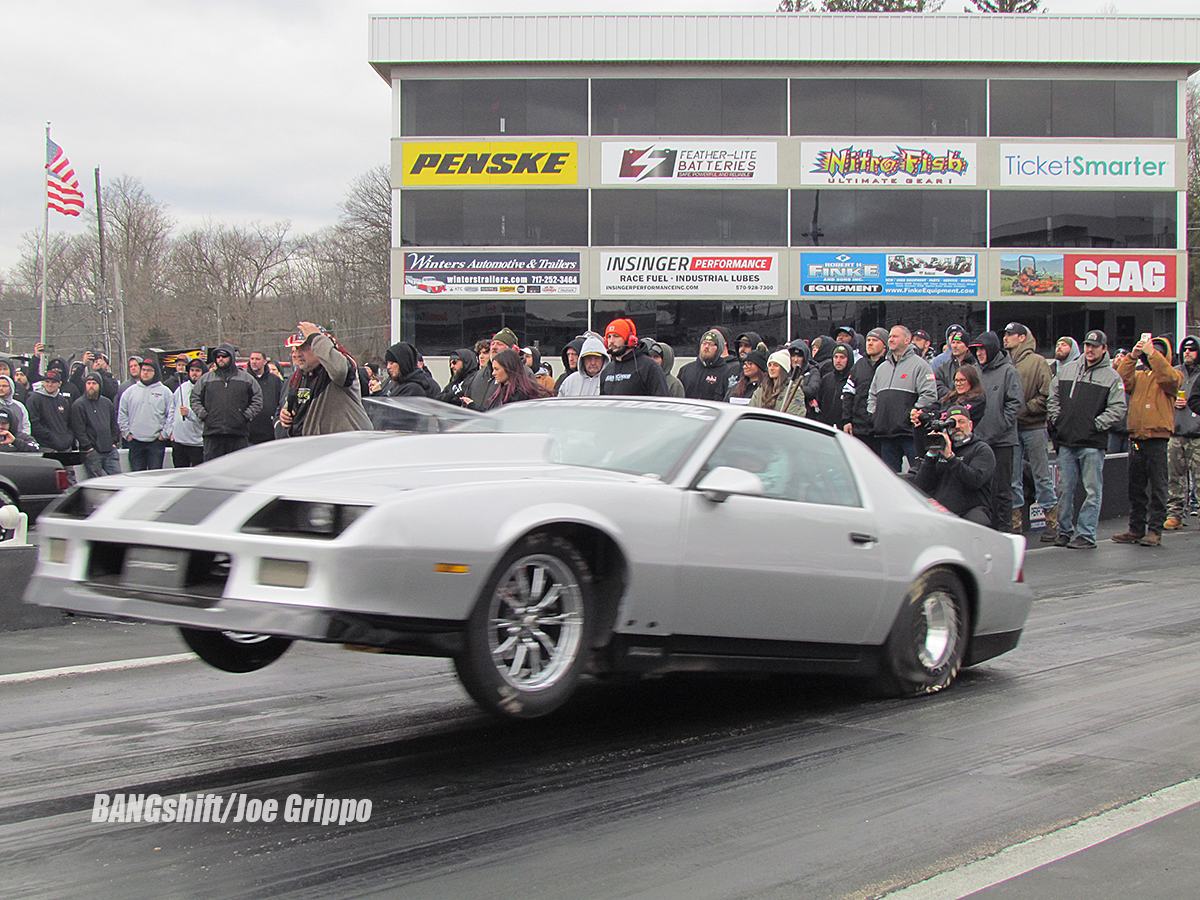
[(1189, 343), (1016, 328), (53, 374), (1096, 337), (924, 335), (957, 410)]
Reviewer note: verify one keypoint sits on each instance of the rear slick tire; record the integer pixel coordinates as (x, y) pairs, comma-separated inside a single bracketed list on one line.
[(526, 639), (928, 640), (233, 651)]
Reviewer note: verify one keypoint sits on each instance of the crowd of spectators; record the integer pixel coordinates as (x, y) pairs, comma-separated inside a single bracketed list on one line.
[(965, 421)]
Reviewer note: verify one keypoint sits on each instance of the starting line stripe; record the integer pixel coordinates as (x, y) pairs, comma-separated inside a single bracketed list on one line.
[(1048, 848), (115, 666)]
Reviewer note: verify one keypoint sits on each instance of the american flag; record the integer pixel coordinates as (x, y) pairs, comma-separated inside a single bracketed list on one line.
[(62, 187)]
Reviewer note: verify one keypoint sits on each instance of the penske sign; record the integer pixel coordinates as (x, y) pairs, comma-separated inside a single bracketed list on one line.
[(510, 162)]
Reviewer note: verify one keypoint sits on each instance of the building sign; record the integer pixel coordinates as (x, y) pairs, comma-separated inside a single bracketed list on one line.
[(507, 163), (918, 163), (440, 274), (1132, 276), (689, 273), (1031, 274), (700, 164), (890, 274), (1106, 275), (1088, 165)]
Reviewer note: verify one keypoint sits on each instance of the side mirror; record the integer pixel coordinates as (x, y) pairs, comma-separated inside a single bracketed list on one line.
[(722, 481)]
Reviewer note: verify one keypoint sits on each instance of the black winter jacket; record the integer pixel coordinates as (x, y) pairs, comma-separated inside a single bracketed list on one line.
[(94, 424), (262, 426), (964, 481), (634, 374), (226, 399)]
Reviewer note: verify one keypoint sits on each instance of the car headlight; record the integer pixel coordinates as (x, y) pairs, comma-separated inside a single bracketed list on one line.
[(303, 518), (79, 502)]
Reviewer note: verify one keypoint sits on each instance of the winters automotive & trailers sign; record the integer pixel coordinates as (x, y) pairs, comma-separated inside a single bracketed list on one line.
[(690, 273), (923, 163), (442, 274), (701, 164)]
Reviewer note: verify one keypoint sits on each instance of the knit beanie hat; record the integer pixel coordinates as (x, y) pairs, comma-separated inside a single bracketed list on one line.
[(783, 358)]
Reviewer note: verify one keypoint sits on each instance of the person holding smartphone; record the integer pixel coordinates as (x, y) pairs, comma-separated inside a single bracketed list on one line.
[(1151, 385)]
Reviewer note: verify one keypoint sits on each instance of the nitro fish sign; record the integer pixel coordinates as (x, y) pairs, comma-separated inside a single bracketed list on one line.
[(701, 164), (918, 164)]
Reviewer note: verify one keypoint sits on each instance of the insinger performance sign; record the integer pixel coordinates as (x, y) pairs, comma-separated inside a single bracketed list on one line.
[(690, 273)]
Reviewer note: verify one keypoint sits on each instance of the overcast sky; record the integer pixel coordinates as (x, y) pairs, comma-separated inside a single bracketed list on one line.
[(234, 110)]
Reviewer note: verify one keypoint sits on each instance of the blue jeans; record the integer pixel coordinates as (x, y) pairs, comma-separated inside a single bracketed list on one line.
[(1033, 445), (97, 463), (145, 455), (894, 450), (1075, 463)]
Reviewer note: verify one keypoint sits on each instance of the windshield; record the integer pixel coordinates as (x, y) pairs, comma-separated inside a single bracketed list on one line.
[(643, 437)]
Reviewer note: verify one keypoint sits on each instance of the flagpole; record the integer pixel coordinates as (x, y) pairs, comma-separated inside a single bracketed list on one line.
[(45, 238)]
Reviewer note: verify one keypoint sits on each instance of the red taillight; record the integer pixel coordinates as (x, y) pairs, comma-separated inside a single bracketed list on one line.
[(60, 480)]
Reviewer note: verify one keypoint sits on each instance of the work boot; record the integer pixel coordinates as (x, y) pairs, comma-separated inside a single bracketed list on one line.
[(1174, 523), (1051, 530), (1127, 537), (1062, 540), (1151, 540), (1018, 522)]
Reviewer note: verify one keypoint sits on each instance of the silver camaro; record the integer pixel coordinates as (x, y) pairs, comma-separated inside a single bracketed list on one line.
[(546, 541)]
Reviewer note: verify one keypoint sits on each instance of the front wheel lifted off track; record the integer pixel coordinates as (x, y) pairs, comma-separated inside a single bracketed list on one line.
[(526, 639), (928, 640), (234, 651)]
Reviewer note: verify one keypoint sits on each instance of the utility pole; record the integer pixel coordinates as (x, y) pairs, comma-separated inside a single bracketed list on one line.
[(102, 296)]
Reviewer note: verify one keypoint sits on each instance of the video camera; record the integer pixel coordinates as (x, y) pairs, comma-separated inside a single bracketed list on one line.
[(932, 423)]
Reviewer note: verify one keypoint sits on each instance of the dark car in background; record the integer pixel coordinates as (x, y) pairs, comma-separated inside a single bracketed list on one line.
[(30, 481)]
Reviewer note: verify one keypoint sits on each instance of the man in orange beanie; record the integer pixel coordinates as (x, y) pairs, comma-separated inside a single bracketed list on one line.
[(629, 371)]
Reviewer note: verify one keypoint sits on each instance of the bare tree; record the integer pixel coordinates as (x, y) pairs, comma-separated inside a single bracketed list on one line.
[(1006, 6), (884, 6), (225, 271), (138, 242)]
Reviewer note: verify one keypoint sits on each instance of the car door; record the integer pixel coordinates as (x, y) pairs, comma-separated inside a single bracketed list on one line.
[(802, 562)]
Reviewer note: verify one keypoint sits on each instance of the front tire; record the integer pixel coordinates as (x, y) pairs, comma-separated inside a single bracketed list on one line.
[(526, 639), (928, 640), (234, 651)]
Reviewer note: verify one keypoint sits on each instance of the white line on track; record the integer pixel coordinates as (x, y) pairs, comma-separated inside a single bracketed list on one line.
[(1047, 848), (114, 666)]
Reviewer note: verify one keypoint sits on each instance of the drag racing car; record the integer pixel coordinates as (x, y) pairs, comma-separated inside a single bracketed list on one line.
[(548, 541)]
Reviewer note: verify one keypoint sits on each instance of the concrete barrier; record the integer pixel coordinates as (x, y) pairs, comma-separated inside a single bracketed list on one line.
[(16, 568)]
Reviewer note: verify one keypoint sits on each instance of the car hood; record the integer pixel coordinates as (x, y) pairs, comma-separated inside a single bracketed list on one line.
[(363, 466)]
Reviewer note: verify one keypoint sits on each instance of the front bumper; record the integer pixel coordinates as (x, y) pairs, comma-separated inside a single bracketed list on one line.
[(394, 634)]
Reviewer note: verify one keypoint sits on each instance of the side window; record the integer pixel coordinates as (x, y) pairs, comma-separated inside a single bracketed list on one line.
[(794, 462)]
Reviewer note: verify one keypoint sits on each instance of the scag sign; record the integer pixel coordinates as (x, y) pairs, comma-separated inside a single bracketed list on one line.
[(453, 165), (1097, 275)]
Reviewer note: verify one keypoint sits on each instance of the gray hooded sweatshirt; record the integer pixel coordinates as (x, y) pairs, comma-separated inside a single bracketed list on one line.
[(578, 384), (16, 409)]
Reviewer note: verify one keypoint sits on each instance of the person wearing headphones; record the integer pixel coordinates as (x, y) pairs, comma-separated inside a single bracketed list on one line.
[(629, 371)]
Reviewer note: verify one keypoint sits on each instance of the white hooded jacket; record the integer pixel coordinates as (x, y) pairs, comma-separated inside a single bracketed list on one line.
[(578, 384)]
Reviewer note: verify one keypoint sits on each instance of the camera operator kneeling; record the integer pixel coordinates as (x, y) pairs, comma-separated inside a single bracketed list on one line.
[(958, 475)]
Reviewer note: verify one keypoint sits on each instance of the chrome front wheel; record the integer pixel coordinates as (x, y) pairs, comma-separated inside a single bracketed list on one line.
[(525, 639)]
